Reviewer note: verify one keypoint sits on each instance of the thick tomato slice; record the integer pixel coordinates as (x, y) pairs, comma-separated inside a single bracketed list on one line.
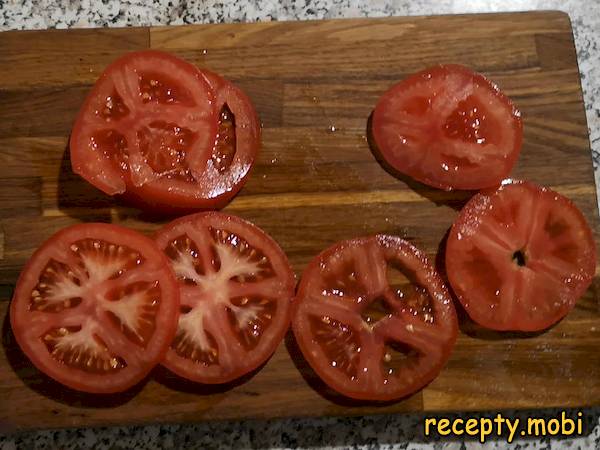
[(518, 257), (236, 288), (151, 129), (448, 127), (374, 319), (96, 307)]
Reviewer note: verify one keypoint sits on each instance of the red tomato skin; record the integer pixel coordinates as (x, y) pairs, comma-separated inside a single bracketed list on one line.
[(153, 199), (170, 359), (468, 213), (402, 165), (169, 329), (325, 376), (157, 196)]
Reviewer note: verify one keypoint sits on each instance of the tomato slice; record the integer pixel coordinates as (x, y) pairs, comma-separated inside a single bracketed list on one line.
[(374, 319), (96, 307), (448, 127), (518, 257), (236, 288), (150, 128)]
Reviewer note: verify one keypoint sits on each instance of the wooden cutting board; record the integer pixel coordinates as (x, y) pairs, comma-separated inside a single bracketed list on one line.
[(314, 85)]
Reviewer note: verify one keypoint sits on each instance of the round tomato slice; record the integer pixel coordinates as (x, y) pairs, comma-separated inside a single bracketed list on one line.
[(449, 128), (152, 129), (236, 288), (96, 307), (374, 319), (518, 257)]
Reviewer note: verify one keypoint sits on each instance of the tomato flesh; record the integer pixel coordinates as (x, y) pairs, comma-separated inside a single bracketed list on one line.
[(374, 319), (95, 307), (236, 286), (448, 127), (150, 129), (519, 256), (225, 144)]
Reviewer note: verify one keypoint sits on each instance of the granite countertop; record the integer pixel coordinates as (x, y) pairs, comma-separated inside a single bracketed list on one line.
[(398, 431)]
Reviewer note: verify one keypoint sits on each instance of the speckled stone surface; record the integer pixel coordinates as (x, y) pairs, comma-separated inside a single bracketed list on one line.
[(399, 431)]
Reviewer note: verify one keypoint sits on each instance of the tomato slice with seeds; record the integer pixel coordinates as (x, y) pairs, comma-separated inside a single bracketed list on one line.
[(96, 307), (150, 128), (448, 127), (374, 319), (236, 288), (518, 257)]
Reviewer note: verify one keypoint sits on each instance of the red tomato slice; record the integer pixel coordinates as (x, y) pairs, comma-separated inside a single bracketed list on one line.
[(236, 288), (448, 127), (518, 257), (374, 319), (95, 307), (151, 129)]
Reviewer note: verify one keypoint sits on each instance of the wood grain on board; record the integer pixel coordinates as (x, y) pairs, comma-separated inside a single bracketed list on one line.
[(316, 181)]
